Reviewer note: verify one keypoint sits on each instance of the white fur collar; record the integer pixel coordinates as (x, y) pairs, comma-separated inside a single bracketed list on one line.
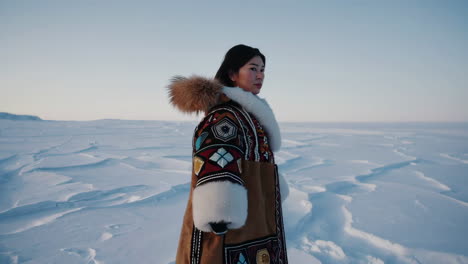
[(261, 110)]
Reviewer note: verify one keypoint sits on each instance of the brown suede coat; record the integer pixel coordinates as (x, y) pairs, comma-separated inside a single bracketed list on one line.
[(261, 239)]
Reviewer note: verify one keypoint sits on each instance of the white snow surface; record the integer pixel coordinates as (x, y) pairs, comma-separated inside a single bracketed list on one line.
[(114, 191)]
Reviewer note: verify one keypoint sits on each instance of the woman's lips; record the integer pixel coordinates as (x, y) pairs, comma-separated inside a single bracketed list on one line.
[(259, 85)]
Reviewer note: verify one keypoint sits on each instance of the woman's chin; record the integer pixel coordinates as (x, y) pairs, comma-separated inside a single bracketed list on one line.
[(253, 90)]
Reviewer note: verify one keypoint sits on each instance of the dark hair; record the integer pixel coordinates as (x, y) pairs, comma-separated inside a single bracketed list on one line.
[(235, 58)]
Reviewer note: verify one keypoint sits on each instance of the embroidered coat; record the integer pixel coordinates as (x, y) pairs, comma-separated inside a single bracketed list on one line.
[(234, 177)]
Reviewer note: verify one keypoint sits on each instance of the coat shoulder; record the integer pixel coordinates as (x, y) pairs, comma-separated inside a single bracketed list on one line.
[(224, 115)]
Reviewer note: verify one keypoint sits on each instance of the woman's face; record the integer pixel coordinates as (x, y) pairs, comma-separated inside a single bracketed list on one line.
[(250, 76)]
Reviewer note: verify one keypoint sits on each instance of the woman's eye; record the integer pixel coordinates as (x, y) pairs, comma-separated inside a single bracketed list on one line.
[(253, 69)]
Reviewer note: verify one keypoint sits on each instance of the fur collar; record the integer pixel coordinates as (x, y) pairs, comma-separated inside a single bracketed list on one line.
[(260, 109), (198, 94)]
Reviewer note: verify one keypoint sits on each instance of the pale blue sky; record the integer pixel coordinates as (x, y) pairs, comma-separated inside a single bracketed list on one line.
[(326, 60)]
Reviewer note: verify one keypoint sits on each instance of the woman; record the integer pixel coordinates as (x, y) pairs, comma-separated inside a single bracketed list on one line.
[(234, 212)]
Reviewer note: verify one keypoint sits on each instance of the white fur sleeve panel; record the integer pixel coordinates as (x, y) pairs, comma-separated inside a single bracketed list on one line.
[(284, 187), (218, 201)]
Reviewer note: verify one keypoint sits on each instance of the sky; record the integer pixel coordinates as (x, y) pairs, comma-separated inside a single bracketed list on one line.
[(326, 61)]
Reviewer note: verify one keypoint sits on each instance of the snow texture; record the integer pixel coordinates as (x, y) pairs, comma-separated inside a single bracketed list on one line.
[(113, 191)]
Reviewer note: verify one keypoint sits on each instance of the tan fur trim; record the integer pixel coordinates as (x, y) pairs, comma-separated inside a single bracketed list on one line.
[(193, 94)]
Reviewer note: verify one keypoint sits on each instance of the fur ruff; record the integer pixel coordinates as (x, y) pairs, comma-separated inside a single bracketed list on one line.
[(260, 109), (199, 94), (193, 94), (218, 201)]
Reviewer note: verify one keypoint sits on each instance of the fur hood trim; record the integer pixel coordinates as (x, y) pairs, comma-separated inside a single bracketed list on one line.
[(194, 94), (199, 94)]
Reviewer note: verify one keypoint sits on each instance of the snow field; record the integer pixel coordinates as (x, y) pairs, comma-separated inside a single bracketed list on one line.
[(112, 191)]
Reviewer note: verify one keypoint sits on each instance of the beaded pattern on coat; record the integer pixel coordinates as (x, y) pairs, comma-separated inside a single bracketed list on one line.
[(222, 139)]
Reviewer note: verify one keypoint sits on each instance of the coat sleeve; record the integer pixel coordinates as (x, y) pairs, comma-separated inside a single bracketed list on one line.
[(219, 194)]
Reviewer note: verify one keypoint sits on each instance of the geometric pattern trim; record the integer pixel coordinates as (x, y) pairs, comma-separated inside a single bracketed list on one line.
[(254, 140), (262, 250), (225, 130), (241, 259), (200, 140), (279, 221), (221, 176), (263, 257), (197, 165), (196, 246), (222, 157)]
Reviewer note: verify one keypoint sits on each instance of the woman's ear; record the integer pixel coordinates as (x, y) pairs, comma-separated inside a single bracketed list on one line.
[(232, 76)]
